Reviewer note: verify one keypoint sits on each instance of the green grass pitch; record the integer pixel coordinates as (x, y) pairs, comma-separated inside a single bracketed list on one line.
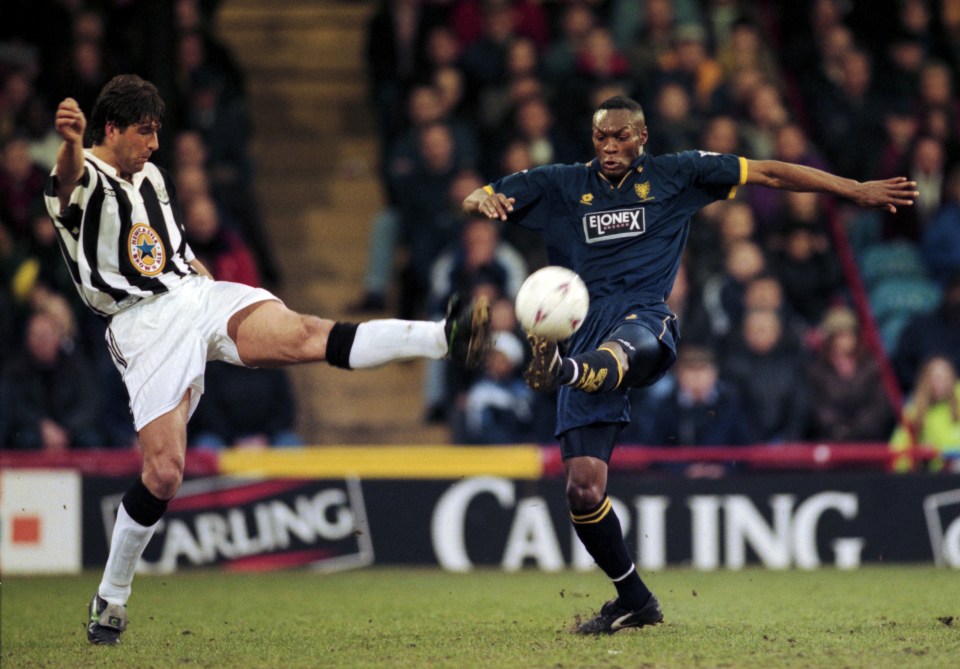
[(879, 616)]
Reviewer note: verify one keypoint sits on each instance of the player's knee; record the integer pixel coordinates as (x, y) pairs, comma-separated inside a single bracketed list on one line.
[(163, 474), (310, 341), (583, 496), (642, 351)]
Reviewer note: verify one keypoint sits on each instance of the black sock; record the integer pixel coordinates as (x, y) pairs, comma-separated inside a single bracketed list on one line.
[(599, 530), (339, 343), (594, 372), (142, 505)]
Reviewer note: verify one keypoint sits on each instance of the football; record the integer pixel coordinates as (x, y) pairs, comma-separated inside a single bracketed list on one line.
[(552, 303)]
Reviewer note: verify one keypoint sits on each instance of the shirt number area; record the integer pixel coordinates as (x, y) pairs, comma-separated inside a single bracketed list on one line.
[(603, 225)]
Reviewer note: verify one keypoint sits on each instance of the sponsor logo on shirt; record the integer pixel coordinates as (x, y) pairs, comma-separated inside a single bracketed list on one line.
[(146, 250), (603, 225)]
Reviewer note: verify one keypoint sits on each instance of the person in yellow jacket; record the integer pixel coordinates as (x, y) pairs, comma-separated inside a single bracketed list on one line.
[(933, 414)]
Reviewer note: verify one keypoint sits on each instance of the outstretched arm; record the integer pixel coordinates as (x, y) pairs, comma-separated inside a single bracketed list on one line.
[(886, 194), (70, 124), (482, 202)]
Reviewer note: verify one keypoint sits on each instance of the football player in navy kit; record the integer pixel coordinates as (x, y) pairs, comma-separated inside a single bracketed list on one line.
[(621, 222)]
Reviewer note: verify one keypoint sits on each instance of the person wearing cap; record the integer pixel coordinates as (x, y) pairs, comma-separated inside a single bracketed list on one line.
[(847, 397)]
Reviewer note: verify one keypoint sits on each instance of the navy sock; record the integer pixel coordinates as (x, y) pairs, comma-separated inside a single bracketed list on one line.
[(599, 530), (594, 372)]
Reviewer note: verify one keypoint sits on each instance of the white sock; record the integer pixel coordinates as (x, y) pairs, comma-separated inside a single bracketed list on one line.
[(382, 341), (129, 540)]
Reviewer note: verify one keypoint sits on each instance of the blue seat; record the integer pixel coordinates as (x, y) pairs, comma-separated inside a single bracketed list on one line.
[(892, 260), (907, 296), (891, 328)]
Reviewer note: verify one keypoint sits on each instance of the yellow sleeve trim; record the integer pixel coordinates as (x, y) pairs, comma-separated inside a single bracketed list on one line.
[(489, 189), (744, 172)]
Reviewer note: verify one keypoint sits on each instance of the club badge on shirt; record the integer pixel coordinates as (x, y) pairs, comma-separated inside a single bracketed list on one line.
[(146, 250)]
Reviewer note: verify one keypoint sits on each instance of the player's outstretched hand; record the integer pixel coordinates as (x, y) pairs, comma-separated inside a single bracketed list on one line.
[(496, 205), (70, 121), (886, 194)]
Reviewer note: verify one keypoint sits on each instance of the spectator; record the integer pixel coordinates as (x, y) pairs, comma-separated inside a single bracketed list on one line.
[(926, 164), (395, 52), (421, 205), (577, 19), (932, 417), (900, 126), (792, 146), (847, 397), (766, 115), (53, 399), (702, 410), (849, 118), (485, 57), (652, 42), (746, 48), (804, 262), (677, 120), (940, 242), (219, 248), (479, 261), (926, 335), (723, 292), (243, 406), (499, 407), (534, 124), (21, 183), (766, 292), (497, 100), (480, 257), (769, 378)]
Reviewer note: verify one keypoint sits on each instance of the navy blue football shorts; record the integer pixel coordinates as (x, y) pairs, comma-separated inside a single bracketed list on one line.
[(576, 408)]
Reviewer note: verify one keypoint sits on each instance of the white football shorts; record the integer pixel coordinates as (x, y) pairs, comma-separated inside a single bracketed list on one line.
[(161, 345)]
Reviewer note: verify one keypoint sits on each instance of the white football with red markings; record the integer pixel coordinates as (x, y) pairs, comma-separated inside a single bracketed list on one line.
[(552, 303)]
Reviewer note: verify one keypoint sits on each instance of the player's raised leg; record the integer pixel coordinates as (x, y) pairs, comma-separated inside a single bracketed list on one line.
[(269, 334)]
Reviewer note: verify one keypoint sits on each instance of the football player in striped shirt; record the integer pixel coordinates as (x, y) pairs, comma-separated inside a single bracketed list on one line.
[(121, 234)]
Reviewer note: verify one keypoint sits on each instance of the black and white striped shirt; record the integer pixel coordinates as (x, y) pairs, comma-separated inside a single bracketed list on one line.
[(122, 241)]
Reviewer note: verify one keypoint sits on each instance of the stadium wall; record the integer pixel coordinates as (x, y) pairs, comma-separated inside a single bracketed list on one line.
[(501, 508)]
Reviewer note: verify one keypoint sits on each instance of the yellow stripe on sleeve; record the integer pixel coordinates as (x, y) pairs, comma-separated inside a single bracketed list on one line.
[(744, 172)]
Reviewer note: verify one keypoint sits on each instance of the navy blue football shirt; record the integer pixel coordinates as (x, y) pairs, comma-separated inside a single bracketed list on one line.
[(625, 238)]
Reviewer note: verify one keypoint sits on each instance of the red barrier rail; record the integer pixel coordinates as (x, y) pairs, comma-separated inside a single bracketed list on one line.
[(788, 456), (107, 462)]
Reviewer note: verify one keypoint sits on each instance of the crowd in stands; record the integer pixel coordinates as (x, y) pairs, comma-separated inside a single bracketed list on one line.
[(58, 387), (777, 345), (779, 292)]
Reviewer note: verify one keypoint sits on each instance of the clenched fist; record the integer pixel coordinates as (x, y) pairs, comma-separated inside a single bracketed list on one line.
[(70, 121)]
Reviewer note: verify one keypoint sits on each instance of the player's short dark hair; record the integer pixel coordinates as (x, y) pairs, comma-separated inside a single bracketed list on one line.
[(125, 100), (621, 102)]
